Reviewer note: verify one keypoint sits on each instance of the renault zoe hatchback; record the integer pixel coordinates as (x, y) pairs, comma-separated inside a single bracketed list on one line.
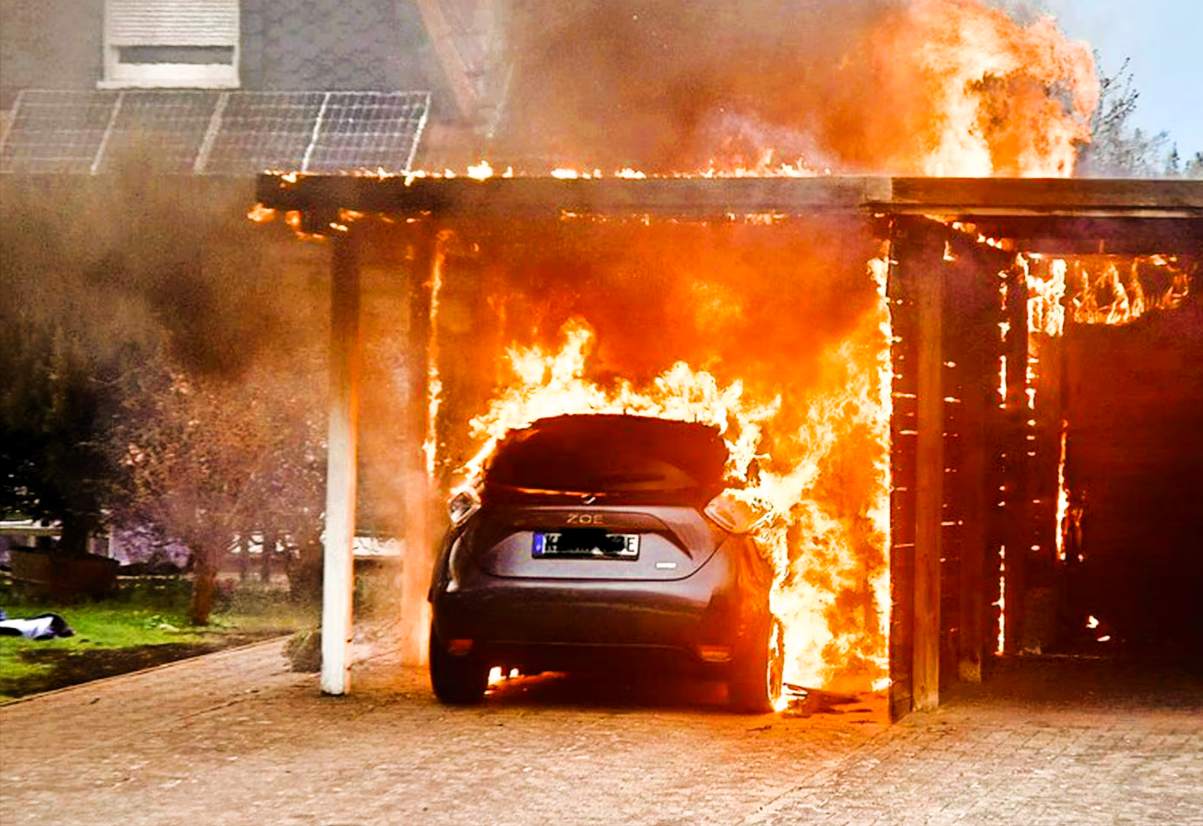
[(604, 542)]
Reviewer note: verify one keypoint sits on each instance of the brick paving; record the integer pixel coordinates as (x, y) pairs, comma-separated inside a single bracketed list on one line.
[(234, 738), (1043, 742)]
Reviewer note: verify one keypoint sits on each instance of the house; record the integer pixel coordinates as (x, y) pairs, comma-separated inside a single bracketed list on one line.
[(245, 84)]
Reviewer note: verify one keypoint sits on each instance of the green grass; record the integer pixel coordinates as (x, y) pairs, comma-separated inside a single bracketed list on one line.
[(149, 612)]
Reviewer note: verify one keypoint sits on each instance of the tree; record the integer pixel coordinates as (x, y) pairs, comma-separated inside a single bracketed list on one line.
[(62, 351), (54, 452), (1191, 168), (134, 307), (210, 459), (1117, 149)]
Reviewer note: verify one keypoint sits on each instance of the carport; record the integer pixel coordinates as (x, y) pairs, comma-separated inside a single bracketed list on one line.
[(994, 295)]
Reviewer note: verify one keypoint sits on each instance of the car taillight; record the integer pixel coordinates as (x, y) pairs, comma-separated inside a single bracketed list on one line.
[(463, 504), (715, 653), (733, 515)]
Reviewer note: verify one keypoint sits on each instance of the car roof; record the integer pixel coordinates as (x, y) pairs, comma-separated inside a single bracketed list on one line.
[(694, 447)]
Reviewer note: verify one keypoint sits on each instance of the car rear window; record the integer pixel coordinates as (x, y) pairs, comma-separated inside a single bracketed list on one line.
[(627, 457)]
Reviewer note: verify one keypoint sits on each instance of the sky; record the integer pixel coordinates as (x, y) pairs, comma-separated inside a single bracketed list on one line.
[(1164, 41)]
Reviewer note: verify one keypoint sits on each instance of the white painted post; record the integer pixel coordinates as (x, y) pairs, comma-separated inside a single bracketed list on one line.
[(338, 575)]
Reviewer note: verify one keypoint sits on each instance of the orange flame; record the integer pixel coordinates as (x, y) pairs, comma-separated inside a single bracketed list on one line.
[(1004, 99), (829, 634), (794, 89)]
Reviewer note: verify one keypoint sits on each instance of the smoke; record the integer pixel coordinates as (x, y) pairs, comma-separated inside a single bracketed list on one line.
[(138, 257), (194, 334), (871, 86)]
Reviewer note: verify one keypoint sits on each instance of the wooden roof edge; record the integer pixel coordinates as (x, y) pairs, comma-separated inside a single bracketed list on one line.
[(688, 196), (1031, 196)]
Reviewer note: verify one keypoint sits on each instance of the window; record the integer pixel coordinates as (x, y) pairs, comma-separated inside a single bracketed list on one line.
[(170, 44)]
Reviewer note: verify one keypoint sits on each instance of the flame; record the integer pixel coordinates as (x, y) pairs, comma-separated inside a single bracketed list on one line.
[(1063, 524), (834, 609), (261, 214), (1098, 293), (1003, 99), (1046, 312), (481, 171), (798, 89), (434, 382), (1102, 296)]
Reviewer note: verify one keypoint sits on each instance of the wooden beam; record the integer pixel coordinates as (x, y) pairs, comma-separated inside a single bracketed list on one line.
[(972, 479), (341, 468), (1075, 208), (903, 352), (929, 472), (508, 198), (1049, 196), (1017, 524)]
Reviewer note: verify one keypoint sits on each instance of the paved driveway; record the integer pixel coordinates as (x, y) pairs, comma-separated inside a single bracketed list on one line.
[(234, 738)]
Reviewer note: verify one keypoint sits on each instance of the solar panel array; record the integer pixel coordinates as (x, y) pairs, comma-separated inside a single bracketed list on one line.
[(213, 132)]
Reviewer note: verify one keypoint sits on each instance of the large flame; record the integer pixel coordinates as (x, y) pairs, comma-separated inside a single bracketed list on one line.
[(918, 87), (1004, 99), (827, 543)]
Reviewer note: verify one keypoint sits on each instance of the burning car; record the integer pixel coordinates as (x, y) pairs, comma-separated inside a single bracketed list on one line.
[(604, 541)]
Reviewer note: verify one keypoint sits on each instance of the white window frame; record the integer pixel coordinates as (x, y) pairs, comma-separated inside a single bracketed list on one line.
[(155, 31)]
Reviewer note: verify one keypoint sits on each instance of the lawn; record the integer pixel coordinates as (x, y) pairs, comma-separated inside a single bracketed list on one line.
[(144, 625)]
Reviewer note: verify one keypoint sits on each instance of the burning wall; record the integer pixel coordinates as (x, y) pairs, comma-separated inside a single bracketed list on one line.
[(1113, 364)]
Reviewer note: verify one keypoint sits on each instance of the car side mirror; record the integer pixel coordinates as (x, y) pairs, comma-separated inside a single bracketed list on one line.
[(463, 503)]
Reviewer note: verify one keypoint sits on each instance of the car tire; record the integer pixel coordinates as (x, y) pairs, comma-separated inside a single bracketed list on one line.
[(456, 680), (755, 682)]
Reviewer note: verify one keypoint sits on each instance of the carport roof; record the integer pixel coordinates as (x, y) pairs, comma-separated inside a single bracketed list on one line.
[(1091, 214)]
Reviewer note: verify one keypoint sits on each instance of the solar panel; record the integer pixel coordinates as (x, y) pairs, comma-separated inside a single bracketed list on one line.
[(172, 125), (215, 133), (264, 130), (367, 131), (57, 131)]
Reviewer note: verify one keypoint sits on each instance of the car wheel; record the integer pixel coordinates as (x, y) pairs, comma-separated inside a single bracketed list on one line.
[(756, 679), (456, 680)]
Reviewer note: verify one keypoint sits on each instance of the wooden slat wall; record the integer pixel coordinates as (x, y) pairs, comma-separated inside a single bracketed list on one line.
[(1012, 529), (971, 349), (956, 633)]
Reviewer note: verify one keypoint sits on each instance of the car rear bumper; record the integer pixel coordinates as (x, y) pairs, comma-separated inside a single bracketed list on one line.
[(570, 625)]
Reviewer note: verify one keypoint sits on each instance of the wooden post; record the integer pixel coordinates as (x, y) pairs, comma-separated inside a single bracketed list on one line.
[(973, 482), (415, 571), (903, 352), (341, 466), (1017, 524), (929, 475)]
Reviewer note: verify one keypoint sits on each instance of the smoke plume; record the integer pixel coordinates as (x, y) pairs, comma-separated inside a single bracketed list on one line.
[(872, 86)]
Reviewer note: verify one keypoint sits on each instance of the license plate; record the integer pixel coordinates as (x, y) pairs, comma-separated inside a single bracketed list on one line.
[(586, 542)]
